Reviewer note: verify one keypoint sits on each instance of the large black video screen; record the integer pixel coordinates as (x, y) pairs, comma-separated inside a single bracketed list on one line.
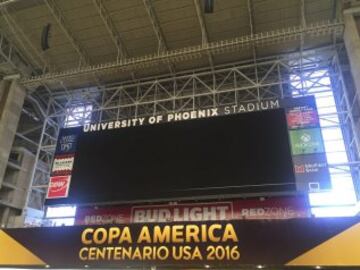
[(224, 155)]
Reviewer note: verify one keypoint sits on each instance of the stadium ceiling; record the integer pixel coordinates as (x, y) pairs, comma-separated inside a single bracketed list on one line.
[(98, 42)]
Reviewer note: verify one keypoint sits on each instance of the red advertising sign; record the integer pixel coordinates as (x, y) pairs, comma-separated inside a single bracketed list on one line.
[(63, 164), (273, 208), (58, 187), (298, 118), (302, 113), (182, 212), (104, 215)]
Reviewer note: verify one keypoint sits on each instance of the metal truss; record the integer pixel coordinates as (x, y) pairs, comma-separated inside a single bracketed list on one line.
[(156, 26), (39, 131), (44, 156), (10, 58), (110, 27), (204, 33), (347, 98), (158, 32), (35, 56), (173, 56), (228, 86), (202, 88), (122, 52), (57, 14), (84, 58), (39, 138), (6, 3)]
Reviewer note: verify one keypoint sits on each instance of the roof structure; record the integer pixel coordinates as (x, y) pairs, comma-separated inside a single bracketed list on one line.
[(131, 58), (96, 42)]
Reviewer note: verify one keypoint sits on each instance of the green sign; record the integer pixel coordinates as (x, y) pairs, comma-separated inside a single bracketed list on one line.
[(306, 141)]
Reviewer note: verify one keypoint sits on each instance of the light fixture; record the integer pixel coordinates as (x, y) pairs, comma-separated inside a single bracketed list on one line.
[(207, 266), (259, 266)]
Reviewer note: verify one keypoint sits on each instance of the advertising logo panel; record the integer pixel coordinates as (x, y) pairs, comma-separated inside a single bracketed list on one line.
[(271, 208), (67, 140), (309, 159), (306, 141), (311, 171), (301, 112), (103, 215), (302, 117), (67, 144), (58, 187), (63, 165), (185, 212)]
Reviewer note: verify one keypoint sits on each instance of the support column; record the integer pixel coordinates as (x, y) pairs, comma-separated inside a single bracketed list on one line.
[(4, 217), (351, 17), (352, 42), (12, 97)]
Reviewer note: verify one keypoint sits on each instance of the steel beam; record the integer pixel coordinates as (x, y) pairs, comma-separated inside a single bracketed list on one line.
[(59, 18), (225, 86), (204, 33), (5, 3), (110, 27), (21, 37), (157, 29), (11, 56), (167, 94), (28, 48), (155, 24), (122, 52), (60, 95), (83, 57), (216, 47)]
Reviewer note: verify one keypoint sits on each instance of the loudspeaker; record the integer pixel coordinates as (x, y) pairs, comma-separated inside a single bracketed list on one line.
[(209, 6), (45, 37)]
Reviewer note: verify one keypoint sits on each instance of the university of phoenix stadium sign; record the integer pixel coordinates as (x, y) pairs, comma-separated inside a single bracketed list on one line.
[(295, 242), (187, 115)]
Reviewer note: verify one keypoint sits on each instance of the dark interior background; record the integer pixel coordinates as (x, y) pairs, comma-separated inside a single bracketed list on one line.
[(231, 154)]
